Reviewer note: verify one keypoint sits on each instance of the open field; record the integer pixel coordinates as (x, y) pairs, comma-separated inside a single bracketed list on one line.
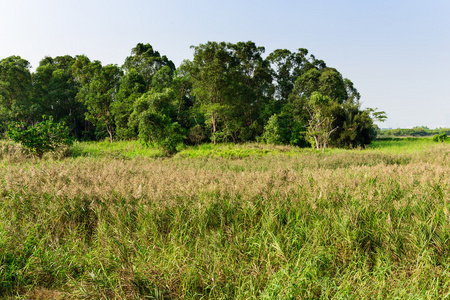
[(228, 222)]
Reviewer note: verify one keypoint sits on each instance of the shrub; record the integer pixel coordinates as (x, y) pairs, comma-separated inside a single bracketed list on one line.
[(158, 129), (440, 138), (277, 130), (196, 135), (41, 138)]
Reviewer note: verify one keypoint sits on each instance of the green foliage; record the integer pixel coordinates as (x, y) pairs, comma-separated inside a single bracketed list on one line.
[(55, 90), (228, 92), (441, 138), (281, 130), (355, 126), (146, 62), (100, 96), (159, 129), (320, 121), (152, 118), (230, 83), (15, 89), (196, 134), (45, 136), (132, 86), (418, 131)]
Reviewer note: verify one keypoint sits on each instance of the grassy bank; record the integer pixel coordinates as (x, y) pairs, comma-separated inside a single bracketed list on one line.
[(227, 222)]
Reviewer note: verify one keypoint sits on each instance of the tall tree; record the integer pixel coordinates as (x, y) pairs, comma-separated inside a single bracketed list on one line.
[(84, 70), (182, 87), (210, 73), (55, 89), (252, 81), (132, 86), (287, 67), (332, 84), (320, 121), (146, 62), (230, 83), (100, 96), (15, 89), (328, 82)]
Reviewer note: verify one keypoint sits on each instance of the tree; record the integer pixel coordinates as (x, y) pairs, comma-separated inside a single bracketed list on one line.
[(287, 67), (15, 89), (83, 71), (45, 136), (146, 62), (355, 126), (306, 84), (153, 115), (338, 121), (332, 84), (210, 76), (320, 121), (231, 84), (132, 86), (228, 92), (182, 87), (55, 90), (280, 59), (252, 81), (277, 130), (100, 96)]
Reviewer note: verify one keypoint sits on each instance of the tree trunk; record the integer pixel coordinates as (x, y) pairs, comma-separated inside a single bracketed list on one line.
[(110, 132), (317, 143), (213, 122)]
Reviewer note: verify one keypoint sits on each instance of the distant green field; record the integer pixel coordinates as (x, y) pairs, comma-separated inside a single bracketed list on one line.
[(401, 145), (253, 221)]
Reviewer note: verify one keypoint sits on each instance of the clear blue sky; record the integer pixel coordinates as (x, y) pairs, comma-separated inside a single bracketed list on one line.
[(397, 52)]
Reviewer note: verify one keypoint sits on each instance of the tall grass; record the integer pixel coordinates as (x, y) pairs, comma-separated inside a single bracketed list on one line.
[(286, 224)]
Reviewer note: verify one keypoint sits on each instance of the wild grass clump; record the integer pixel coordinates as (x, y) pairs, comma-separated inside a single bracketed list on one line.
[(347, 224), (10, 151)]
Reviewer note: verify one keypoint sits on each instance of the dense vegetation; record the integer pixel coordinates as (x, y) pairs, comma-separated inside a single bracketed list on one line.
[(419, 131), (226, 222), (227, 93)]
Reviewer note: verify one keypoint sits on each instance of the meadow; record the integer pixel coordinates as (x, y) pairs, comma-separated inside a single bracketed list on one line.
[(120, 221)]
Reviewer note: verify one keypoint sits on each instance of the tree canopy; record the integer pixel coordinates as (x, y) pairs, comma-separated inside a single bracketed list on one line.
[(228, 92)]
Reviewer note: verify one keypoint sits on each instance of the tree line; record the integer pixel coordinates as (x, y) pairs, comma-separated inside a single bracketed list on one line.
[(418, 131), (226, 93)]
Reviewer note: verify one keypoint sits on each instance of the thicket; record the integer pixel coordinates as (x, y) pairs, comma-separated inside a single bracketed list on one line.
[(45, 136), (441, 138), (226, 93)]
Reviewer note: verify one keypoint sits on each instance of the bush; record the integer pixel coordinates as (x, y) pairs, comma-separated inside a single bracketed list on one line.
[(196, 135), (158, 129), (282, 130), (46, 136), (440, 138)]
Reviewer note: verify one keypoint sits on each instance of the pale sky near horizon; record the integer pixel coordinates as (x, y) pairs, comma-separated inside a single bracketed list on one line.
[(396, 52)]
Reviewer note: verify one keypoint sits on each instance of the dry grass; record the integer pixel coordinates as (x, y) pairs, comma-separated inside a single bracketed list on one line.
[(349, 224)]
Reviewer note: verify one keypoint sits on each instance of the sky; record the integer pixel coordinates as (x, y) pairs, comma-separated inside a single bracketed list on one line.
[(396, 52)]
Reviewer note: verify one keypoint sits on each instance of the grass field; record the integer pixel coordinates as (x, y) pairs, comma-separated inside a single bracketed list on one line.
[(119, 221)]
